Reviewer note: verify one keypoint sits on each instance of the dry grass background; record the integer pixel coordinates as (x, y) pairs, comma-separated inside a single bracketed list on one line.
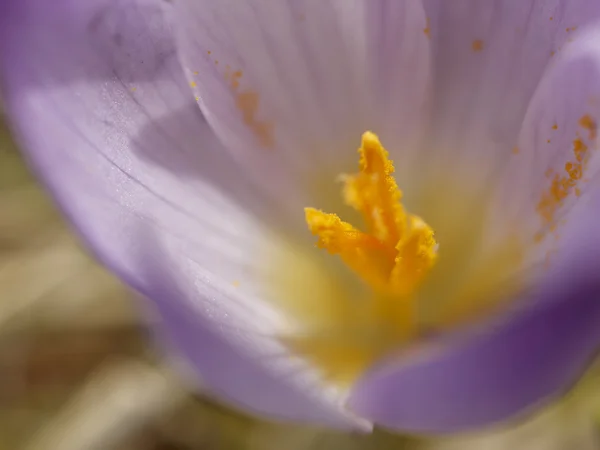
[(77, 373)]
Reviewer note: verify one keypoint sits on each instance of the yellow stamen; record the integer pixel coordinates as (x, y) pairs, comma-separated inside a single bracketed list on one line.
[(397, 249)]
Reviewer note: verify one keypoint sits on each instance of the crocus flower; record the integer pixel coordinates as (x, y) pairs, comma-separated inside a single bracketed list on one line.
[(202, 147)]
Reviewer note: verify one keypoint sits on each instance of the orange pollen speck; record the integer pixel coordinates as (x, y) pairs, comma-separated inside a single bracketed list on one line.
[(555, 127), (562, 185), (589, 124), (235, 79), (477, 45), (247, 103)]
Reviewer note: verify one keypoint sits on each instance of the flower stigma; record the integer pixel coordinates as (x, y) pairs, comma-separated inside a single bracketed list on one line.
[(385, 284), (398, 249)]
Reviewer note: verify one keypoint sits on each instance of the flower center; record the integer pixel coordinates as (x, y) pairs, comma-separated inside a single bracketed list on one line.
[(398, 249), (388, 286)]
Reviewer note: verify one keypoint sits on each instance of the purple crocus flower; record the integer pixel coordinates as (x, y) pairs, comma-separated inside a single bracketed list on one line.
[(196, 144)]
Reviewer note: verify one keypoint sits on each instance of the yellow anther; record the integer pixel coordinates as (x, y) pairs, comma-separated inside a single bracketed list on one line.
[(361, 252), (374, 192), (397, 249), (417, 254)]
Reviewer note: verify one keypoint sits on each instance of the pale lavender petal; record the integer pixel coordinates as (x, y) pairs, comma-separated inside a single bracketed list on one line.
[(513, 364), (503, 371), (488, 60), (323, 72), (558, 141), (510, 365), (100, 105)]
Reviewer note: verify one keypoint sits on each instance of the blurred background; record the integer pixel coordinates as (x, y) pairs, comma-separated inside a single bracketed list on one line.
[(77, 370)]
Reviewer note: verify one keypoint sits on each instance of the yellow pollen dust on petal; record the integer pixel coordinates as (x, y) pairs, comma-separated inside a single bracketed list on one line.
[(397, 249), (247, 102), (563, 184), (477, 45), (588, 123), (427, 29)]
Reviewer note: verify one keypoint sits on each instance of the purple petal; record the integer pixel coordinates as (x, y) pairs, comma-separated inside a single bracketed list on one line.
[(521, 364), (559, 131), (321, 72), (507, 367), (488, 60), (99, 102), (533, 354)]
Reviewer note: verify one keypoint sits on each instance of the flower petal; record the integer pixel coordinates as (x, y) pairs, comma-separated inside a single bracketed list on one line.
[(289, 87), (557, 161), (508, 365), (100, 104), (534, 353), (505, 369), (489, 58)]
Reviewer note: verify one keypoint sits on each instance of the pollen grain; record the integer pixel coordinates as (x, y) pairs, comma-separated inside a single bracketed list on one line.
[(477, 45)]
